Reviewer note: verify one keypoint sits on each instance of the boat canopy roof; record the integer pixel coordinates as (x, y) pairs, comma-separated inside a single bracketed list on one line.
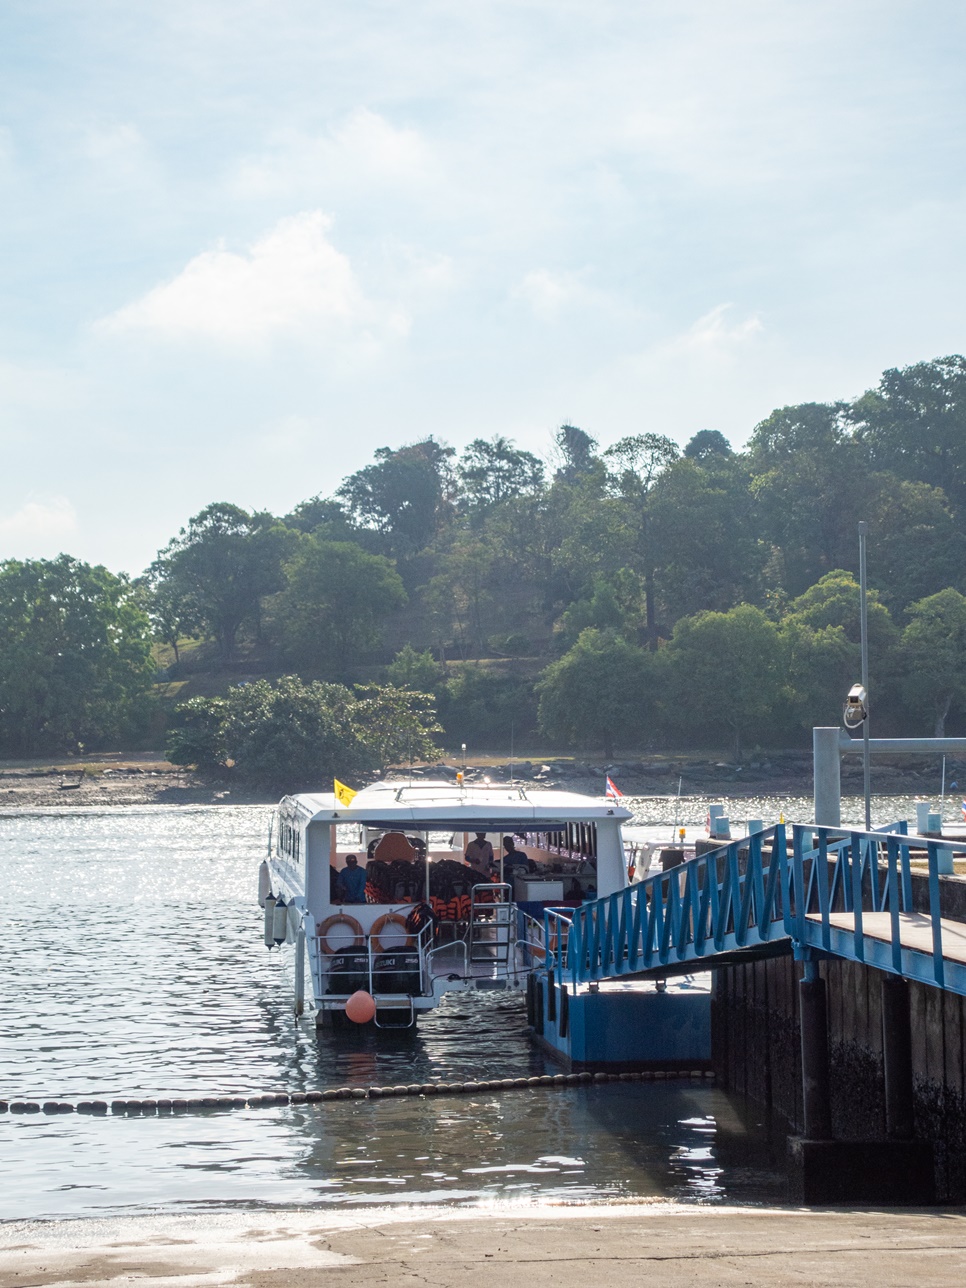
[(443, 806)]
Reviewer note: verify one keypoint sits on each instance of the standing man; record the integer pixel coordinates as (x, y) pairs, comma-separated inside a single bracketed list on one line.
[(479, 855)]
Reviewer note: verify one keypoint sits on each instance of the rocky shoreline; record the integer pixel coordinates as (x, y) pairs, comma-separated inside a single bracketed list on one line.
[(147, 779)]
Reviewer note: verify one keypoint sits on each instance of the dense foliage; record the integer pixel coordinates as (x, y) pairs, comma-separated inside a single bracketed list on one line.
[(75, 658), (290, 736), (630, 595)]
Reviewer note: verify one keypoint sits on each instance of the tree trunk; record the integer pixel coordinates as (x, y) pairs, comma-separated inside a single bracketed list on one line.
[(939, 731)]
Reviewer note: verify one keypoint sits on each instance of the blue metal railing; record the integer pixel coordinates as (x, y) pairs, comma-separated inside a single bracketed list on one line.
[(827, 895)]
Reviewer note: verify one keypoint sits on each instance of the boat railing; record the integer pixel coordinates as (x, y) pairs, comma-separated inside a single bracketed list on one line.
[(453, 948), (531, 940)]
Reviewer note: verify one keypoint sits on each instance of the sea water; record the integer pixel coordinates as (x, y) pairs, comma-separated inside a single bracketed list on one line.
[(134, 967)]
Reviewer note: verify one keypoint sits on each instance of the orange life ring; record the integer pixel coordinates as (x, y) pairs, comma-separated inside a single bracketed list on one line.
[(340, 919), (380, 924)]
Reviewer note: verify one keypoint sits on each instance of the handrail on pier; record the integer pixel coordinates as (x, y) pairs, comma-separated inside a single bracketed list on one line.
[(838, 892)]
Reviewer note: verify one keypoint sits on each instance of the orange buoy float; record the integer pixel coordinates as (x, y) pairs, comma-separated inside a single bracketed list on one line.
[(361, 1007), (397, 937), (345, 928)]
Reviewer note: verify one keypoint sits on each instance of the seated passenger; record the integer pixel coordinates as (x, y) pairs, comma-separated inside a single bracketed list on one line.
[(514, 859), (352, 882)]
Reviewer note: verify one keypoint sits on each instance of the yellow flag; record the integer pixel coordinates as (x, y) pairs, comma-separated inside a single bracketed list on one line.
[(344, 795)]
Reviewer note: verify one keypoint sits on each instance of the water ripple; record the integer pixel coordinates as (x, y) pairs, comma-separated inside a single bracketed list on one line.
[(135, 967)]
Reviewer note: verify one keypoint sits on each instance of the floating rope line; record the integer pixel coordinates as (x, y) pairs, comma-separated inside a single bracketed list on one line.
[(209, 1104)]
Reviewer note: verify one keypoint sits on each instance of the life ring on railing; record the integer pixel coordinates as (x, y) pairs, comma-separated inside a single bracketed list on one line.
[(380, 924), (340, 919)]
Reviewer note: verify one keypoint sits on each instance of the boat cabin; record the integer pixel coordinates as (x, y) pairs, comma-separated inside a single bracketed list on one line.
[(385, 877)]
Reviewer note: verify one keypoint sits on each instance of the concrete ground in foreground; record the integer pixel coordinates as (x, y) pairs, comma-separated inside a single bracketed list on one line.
[(653, 1243)]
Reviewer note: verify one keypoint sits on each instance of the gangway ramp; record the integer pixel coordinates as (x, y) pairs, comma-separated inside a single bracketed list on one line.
[(872, 897)]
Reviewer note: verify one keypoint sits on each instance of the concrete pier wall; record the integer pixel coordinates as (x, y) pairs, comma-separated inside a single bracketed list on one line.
[(756, 1052)]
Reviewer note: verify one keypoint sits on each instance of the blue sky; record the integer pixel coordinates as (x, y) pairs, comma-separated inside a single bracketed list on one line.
[(248, 243)]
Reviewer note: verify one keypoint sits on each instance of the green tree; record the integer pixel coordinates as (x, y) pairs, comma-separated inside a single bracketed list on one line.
[(173, 617), (723, 670), (934, 657), (708, 445), (485, 707), (638, 463), (827, 615), (338, 597), (615, 603), (412, 669), (916, 545), (459, 594), (914, 423), (834, 601), (820, 665), (324, 517), (494, 471), (75, 657), (705, 537), (221, 567), (810, 479), (396, 725), (596, 694), (406, 494), (195, 735), (576, 453), (288, 736)]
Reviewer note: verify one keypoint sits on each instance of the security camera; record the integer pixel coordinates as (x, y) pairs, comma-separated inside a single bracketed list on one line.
[(856, 709)]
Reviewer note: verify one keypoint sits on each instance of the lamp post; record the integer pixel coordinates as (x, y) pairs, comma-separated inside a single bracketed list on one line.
[(857, 703), (864, 636)]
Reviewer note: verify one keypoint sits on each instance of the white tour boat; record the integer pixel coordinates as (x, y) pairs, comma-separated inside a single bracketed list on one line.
[(426, 922)]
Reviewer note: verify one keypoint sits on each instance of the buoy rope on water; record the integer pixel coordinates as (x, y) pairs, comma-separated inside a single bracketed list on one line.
[(206, 1104)]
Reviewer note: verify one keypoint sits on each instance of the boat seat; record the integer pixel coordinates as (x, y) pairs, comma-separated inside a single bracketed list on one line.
[(394, 846)]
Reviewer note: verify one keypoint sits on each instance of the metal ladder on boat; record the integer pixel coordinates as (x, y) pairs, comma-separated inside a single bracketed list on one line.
[(396, 1002), (490, 935)]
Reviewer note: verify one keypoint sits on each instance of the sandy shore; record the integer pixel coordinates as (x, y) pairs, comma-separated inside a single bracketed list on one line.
[(651, 1243), (120, 779), (147, 779)]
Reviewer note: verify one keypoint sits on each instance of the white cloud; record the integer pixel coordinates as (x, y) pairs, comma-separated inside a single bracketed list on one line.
[(550, 295), (41, 523), (363, 149), (712, 336), (547, 293), (292, 280), (100, 143)]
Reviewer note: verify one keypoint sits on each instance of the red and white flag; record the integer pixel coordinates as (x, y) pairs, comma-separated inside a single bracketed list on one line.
[(964, 811), (613, 794)]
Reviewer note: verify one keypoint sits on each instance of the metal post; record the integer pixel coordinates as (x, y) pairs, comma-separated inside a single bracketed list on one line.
[(827, 776), (864, 636), (816, 1087), (300, 970), (897, 1058)]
